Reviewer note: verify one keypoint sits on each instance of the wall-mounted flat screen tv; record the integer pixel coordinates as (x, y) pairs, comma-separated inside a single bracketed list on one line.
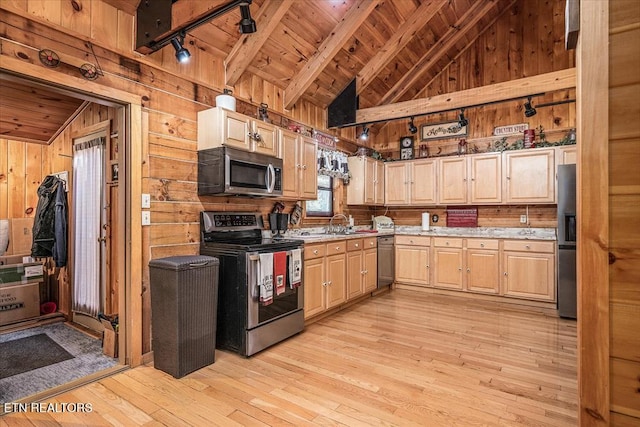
[(342, 111)]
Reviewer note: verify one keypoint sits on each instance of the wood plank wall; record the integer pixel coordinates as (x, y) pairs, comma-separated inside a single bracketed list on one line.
[(624, 210), (526, 40), (172, 94)]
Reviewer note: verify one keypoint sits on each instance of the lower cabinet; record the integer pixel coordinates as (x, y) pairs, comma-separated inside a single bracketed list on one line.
[(529, 270), (447, 263), (412, 260), (325, 277), (482, 266), (362, 266)]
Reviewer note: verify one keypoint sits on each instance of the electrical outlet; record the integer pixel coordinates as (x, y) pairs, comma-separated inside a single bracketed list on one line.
[(523, 219), (146, 201), (146, 218)]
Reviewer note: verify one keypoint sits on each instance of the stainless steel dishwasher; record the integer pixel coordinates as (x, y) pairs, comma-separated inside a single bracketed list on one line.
[(386, 261)]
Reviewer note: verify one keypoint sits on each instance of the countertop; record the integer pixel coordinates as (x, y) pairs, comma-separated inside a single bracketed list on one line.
[(317, 236)]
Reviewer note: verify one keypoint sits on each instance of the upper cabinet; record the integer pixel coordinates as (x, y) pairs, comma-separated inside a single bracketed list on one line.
[(485, 179), (452, 183), (221, 127), (412, 182), (300, 174), (566, 155), (529, 176), (366, 186)]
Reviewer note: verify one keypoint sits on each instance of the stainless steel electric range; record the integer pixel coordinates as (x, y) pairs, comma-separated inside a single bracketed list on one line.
[(245, 324)]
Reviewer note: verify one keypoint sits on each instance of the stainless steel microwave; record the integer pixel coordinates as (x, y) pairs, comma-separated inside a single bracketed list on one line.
[(226, 171)]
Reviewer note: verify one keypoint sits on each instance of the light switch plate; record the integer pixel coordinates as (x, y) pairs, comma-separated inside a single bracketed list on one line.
[(523, 219), (146, 201), (146, 218)]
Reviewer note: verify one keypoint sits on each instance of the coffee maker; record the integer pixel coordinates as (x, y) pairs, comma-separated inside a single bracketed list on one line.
[(278, 222)]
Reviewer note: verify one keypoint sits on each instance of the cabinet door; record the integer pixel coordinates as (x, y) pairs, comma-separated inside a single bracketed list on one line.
[(412, 265), (566, 155), (267, 141), (447, 271), (369, 181), (379, 183), (355, 274), (236, 128), (370, 264), (452, 181), (530, 176), (336, 289), (423, 181), (314, 287), (529, 275), (355, 189), (483, 271), (396, 183), (485, 172), (308, 187), (291, 165)]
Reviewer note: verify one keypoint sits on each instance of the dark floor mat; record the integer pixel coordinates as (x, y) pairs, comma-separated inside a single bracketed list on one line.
[(29, 353)]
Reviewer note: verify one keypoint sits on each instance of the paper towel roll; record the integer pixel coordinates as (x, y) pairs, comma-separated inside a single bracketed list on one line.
[(425, 221), (226, 101)]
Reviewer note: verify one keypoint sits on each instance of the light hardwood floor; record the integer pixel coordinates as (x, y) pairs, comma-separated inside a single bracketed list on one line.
[(401, 358)]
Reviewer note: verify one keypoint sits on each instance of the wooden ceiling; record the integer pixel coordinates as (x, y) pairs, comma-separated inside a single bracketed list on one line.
[(314, 48)]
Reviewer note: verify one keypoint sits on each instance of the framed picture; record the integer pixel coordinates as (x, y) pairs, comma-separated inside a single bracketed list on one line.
[(406, 147), (114, 171), (442, 130)]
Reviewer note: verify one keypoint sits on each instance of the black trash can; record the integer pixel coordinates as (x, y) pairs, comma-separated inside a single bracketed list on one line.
[(184, 300)]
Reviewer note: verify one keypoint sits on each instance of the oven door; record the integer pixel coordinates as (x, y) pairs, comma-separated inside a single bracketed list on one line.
[(288, 302)]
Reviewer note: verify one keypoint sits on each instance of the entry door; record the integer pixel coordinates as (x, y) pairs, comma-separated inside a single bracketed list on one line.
[(89, 228)]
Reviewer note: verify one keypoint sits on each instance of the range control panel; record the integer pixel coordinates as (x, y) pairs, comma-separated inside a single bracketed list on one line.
[(234, 220), (230, 221)]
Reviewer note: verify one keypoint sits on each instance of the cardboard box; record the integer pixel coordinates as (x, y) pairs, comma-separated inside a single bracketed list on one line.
[(109, 339), (19, 301), (21, 237)]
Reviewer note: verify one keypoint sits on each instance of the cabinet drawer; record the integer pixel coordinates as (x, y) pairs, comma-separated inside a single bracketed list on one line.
[(314, 251), (482, 244), (529, 246), (447, 242), (370, 242), (354, 245), (337, 247), (413, 240)]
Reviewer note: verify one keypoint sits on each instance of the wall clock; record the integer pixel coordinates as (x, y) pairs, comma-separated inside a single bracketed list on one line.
[(406, 147)]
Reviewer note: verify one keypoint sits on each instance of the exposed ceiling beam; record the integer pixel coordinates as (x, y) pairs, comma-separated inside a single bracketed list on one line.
[(396, 43), (514, 89), (247, 47), (328, 49), (457, 31), (128, 6)]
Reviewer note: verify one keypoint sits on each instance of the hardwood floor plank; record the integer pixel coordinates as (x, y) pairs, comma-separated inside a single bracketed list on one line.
[(402, 358)]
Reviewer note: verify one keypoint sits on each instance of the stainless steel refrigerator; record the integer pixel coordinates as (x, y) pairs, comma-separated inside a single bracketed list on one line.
[(566, 268)]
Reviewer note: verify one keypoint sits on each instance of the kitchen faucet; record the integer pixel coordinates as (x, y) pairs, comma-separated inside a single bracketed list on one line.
[(340, 228)]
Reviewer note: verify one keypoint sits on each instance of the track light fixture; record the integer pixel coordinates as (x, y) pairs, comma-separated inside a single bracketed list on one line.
[(247, 24), (462, 120), (529, 111), (182, 54), (412, 127), (365, 133)]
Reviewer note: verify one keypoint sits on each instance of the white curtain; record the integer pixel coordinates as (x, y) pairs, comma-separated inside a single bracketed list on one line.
[(88, 160)]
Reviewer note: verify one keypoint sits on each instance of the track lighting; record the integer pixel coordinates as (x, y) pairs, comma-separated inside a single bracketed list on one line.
[(529, 111), (247, 24), (365, 133), (462, 120), (412, 127), (182, 54)]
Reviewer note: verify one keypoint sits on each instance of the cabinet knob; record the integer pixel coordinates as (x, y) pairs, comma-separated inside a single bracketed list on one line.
[(329, 283), (315, 252), (324, 283), (447, 243), (370, 243), (468, 270), (505, 273), (464, 180), (427, 265), (357, 245), (297, 165), (411, 241), (473, 179), (508, 177), (304, 167), (527, 246), (482, 245), (459, 268), (337, 248)]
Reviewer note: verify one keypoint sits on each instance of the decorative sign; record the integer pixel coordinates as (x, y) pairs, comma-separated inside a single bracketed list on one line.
[(442, 130), (325, 141), (510, 129)]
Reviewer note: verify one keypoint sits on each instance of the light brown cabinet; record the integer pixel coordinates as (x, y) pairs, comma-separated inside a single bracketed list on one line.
[(300, 174), (482, 266), (529, 176), (366, 186), (485, 179), (219, 127), (411, 182), (324, 277), (529, 270), (447, 263), (362, 265), (566, 155), (452, 181), (412, 260)]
